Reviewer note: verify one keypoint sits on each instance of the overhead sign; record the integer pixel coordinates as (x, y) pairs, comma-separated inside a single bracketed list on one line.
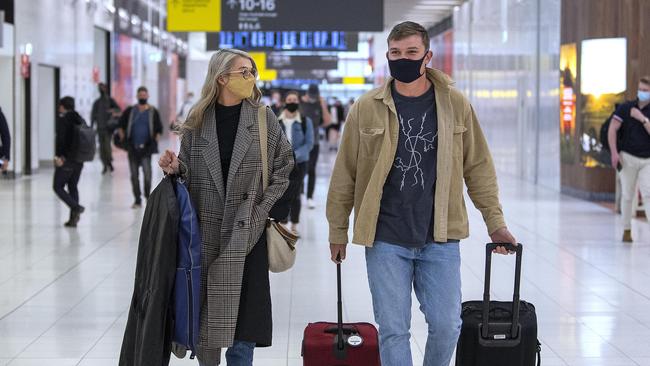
[(139, 20), (194, 15), (289, 40), (286, 15), (302, 74), (264, 73), (279, 61)]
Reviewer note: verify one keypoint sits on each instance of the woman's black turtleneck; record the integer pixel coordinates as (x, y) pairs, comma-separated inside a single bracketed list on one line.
[(227, 124)]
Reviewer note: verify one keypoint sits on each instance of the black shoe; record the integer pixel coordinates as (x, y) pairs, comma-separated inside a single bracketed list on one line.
[(70, 222), (110, 166), (105, 170), (76, 215), (137, 205)]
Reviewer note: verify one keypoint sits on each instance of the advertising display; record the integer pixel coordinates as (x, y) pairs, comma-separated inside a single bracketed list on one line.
[(568, 93), (125, 70), (194, 15), (603, 82), (442, 46), (284, 41)]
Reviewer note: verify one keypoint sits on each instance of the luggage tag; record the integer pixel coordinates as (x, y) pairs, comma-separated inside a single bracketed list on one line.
[(355, 341)]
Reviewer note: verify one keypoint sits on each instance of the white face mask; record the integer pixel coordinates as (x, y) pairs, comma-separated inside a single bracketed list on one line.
[(644, 96)]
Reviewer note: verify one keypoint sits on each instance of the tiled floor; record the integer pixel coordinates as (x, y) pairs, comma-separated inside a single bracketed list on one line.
[(64, 293)]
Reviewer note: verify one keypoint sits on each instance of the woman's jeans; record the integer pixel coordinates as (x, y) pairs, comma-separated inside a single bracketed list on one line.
[(240, 354), (433, 271)]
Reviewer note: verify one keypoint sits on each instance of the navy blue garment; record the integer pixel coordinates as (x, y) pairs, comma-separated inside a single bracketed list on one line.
[(140, 134), (187, 299), (406, 211)]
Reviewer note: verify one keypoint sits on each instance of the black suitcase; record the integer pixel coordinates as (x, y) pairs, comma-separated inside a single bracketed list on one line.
[(509, 337)]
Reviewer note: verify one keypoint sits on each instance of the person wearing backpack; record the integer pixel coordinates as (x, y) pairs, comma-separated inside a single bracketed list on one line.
[(68, 166), (633, 161), (141, 126), (300, 133)]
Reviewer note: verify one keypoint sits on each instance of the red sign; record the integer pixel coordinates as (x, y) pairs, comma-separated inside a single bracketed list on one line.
[(568, 110), (96, 74), (24, 66)]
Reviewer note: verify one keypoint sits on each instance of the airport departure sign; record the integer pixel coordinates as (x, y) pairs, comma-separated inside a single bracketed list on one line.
[(284, 41), (275, 15)]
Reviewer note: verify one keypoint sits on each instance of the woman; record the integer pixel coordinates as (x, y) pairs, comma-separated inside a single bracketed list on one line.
[(220, 162), (300, 133)]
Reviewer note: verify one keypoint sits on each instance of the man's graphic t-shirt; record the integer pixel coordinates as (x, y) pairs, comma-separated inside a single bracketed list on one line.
[(406, 212)]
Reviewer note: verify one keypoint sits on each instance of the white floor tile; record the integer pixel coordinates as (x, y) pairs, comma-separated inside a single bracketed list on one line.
[(64, 294)]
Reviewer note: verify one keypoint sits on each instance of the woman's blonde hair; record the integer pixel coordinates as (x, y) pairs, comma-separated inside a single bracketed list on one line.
[(221, 63)]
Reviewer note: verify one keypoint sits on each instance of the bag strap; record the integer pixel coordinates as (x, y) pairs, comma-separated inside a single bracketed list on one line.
[(261, 119)]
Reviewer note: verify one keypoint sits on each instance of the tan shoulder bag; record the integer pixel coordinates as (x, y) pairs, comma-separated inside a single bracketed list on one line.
[(281, 243)]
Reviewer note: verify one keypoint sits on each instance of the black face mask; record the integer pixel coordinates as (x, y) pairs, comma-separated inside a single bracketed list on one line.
[(292, 107), (405, 70), (142, 101)]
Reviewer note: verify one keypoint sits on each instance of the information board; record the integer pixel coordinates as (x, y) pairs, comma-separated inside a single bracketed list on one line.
[(275, 15), (288, 40), (279, 61), (314, 15)]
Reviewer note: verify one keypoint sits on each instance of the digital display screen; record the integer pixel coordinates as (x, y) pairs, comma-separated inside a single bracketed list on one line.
[(289, 40)]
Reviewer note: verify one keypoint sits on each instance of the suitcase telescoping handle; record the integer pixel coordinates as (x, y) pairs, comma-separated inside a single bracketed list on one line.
[(339, 304), (518, 249)]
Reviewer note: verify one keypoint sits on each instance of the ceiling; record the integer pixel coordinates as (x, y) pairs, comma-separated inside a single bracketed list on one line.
[(426, 12)]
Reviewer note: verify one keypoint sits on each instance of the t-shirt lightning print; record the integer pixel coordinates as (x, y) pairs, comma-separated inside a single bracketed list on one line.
[(406, 213)]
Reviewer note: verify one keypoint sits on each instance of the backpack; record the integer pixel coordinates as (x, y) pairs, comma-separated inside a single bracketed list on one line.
[(187, 299), (604, 130), (303, 124), (84, 142)]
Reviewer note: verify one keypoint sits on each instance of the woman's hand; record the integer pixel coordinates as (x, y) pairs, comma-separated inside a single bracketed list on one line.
[(169, 162)]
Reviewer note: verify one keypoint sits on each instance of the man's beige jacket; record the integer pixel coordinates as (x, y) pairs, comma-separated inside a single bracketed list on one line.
[(367, 154)]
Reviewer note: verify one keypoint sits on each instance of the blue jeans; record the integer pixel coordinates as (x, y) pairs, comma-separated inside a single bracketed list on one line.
[(434, 272), (240, 354)]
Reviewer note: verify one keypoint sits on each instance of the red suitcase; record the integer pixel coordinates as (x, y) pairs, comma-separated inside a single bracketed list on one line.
[(339, 344)]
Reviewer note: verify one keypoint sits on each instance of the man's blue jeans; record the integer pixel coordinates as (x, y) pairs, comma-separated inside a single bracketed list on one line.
[(240, 354), (434, 272)]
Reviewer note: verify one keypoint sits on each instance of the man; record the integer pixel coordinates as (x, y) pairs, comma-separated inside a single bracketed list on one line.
[(337, 118), (141, 126), (276, 102), (314, 107), (348, 107), (633, 161), (184, 111), (403, 175), (67, 169), (5, 144), (104, 109)]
